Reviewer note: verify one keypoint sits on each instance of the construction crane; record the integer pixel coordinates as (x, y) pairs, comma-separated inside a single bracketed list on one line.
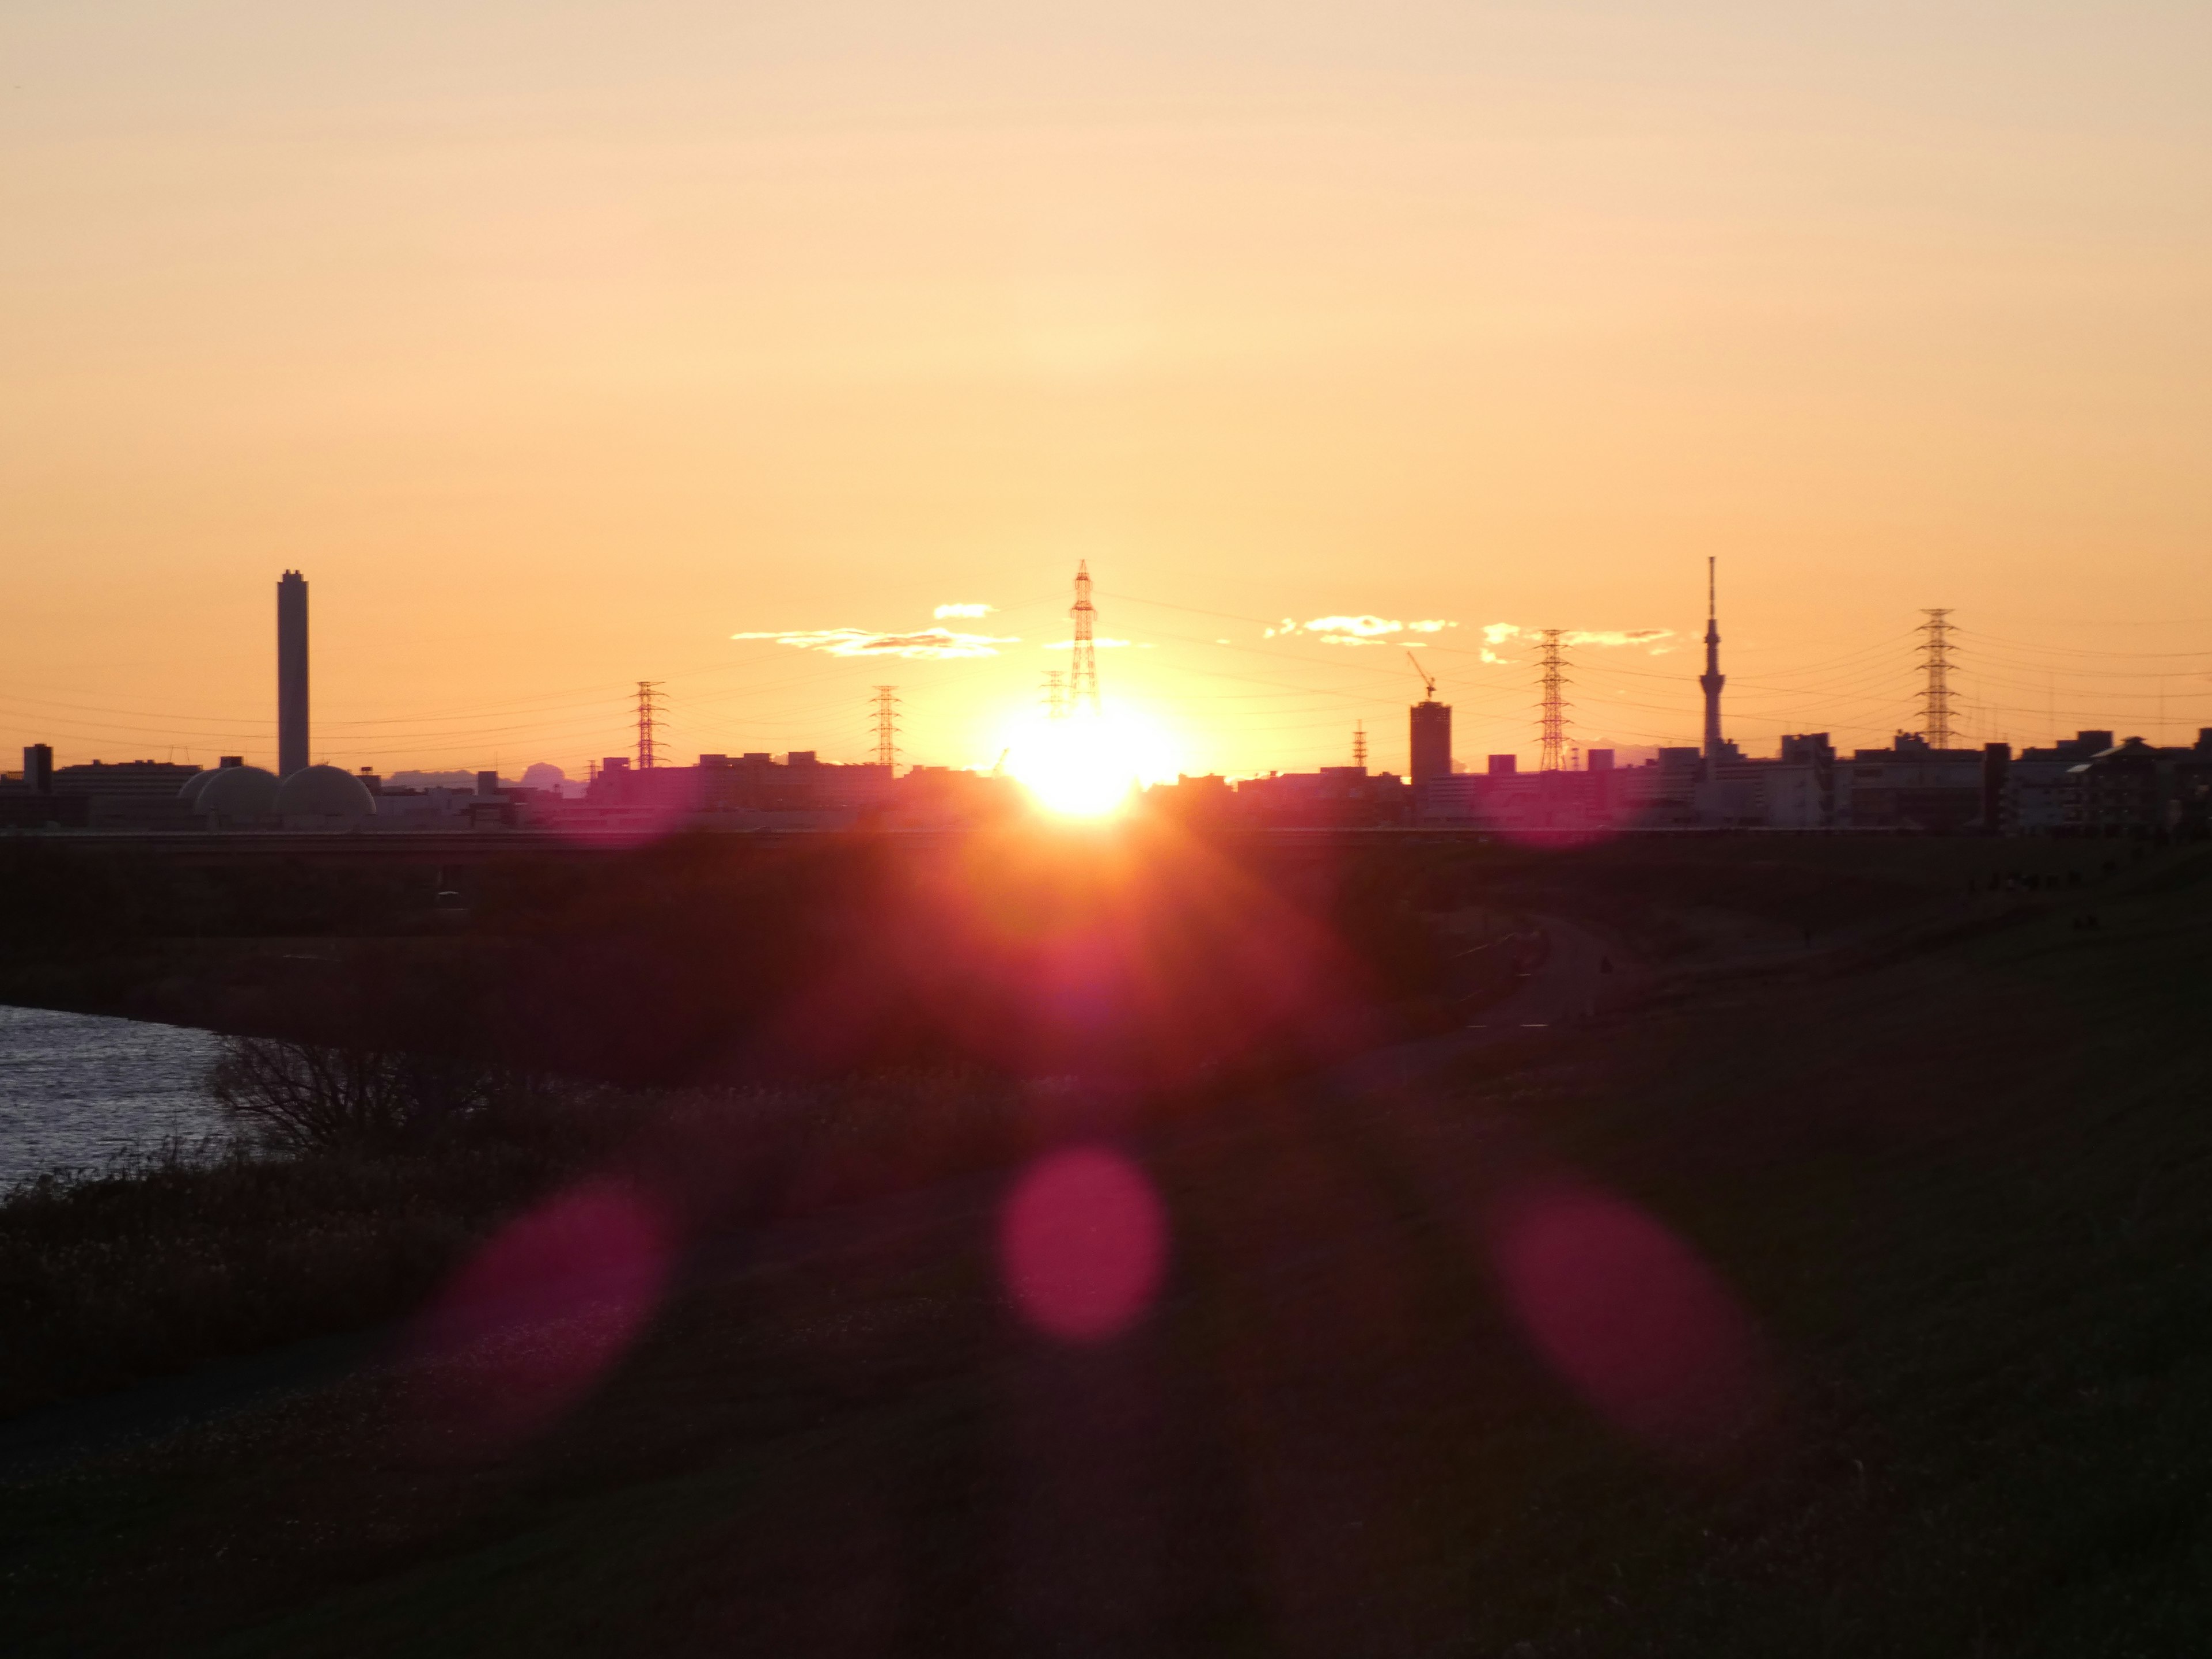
[(1428, 680)]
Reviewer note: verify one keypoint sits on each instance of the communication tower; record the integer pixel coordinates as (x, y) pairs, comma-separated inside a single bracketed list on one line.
[(1359, 745), (886, 705), (1713, 679), (1553, 723), (1083, 666), (648, 709), (1935, 697)]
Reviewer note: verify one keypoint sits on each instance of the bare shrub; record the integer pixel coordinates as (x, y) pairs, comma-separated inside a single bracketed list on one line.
[(301, 1095)]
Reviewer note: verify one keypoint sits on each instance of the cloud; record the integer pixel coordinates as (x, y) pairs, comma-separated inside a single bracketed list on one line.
[(1365, 629), (1653, 640), (925, 643), (1648, 637), (962, 608)]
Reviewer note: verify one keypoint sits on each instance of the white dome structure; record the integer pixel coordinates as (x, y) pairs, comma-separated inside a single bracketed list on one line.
[(237, 794), (194, 785), (323, 791)]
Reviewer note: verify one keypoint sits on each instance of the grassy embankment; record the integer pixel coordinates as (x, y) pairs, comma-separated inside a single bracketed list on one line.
[(1952, 1173)]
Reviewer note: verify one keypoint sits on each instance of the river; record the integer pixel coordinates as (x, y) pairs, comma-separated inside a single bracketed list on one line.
[(84, 1091)]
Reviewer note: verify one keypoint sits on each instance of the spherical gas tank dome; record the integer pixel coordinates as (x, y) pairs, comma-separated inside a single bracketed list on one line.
[(194, 785), (323, 791), (239, 792)]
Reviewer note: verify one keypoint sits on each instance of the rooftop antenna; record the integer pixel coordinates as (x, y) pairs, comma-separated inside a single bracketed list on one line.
[(1553, 723), (1082, 664), (1935, 697), (648, 707), (886, 705)]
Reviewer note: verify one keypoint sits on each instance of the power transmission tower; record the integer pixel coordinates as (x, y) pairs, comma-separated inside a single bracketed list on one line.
[(1055, 694), (1555, 705), (648, 709), (1083, 667), (1359, 745), (1935, 698), (886, 703)]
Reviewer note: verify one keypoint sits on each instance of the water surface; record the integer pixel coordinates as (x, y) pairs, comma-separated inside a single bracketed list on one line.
[(81, 1091)]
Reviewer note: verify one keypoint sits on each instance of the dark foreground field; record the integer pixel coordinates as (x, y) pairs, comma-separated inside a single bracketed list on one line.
[(1842, 1297)]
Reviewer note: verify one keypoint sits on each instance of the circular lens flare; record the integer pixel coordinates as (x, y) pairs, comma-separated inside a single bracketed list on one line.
[(1083, 1242)]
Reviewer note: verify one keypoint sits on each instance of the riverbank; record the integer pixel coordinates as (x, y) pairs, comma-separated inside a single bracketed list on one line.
[(1933, 1202)]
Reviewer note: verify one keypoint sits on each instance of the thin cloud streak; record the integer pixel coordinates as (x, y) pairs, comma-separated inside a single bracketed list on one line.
[(1652, 640), (925, 644), (1365, 629)]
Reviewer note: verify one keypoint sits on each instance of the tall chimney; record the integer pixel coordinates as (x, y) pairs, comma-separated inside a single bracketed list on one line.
[(291, 673)]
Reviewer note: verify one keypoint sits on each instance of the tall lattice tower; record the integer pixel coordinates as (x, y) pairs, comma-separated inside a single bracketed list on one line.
[(648, 711), (886, 706), (1055, 694), (1553, 720), (1935, 696), (1359, 745), (1083, 666)]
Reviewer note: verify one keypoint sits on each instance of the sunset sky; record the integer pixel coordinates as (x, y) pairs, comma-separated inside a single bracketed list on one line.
[(560, 345)]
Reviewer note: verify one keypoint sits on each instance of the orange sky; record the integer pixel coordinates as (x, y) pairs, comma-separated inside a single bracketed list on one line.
[(559, 344)]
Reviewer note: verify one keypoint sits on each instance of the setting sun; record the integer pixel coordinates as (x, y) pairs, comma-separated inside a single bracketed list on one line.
[(1086, 765)]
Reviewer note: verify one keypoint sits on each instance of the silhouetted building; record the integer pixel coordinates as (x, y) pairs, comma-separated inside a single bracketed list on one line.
[(1347, 797), (127, 794), (1912, 786), (1205, 800), (2138, 788), (291, 673), (1431, 746), (39, 768)]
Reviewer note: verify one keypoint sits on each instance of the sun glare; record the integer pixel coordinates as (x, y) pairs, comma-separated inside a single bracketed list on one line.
[(1085, 765)]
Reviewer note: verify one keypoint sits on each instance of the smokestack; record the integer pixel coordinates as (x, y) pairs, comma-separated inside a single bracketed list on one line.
[(291, 674)]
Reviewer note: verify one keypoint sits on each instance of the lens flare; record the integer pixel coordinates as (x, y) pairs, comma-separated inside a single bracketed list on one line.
[(1083, 1242), (1086, 765)]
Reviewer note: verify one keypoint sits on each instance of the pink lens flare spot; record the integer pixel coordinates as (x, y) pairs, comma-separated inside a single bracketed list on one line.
[(1083, 1241), (1630, 1318), (523, 1331)]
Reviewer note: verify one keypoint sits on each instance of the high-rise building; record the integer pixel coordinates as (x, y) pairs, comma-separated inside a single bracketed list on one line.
[(291, 673), (1431, 741)]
